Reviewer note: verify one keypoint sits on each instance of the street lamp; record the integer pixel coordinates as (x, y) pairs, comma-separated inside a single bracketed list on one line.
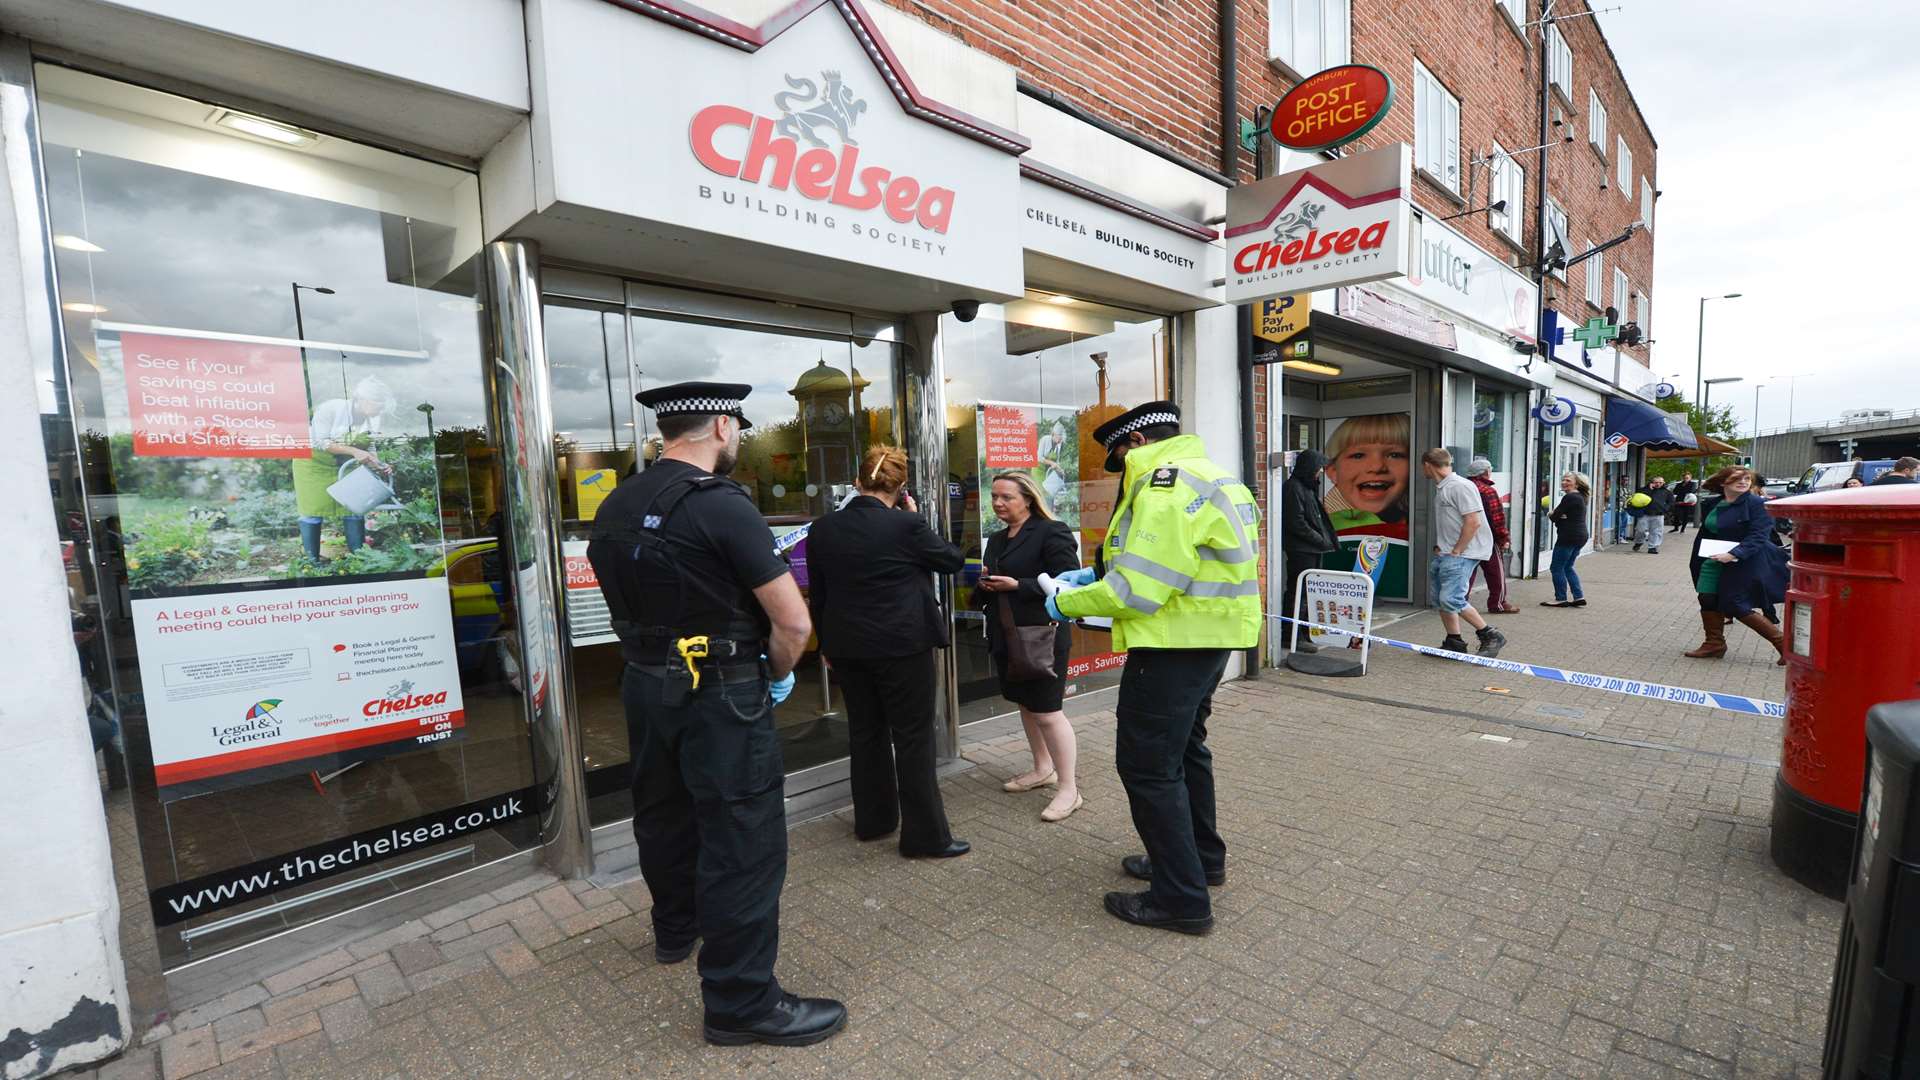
[(1700, 343), (1792, 383), (1757, 387), (1707, 400), (300, 331)]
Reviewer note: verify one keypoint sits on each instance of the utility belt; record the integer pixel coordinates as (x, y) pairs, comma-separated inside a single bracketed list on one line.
[(692, 660)]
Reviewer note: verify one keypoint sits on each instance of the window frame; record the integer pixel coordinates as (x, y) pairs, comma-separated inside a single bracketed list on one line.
[(1516, 20), (1622, 294), (1559, 61), (1646, 203), (1597, 122), (1290, 59), (1623, 166), (1643, 314), (1509, 182), (1425, 83), (1565, 233), (1595, 284)]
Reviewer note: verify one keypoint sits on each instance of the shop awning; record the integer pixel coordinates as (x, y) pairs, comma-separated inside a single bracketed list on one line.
[(1645, 425), (1709, 447)]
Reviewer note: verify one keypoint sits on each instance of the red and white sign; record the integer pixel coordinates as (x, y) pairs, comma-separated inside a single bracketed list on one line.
[(1009, 437), (589, 621), (206, 397), (1332, 108), (1341, 223), (236, 681)]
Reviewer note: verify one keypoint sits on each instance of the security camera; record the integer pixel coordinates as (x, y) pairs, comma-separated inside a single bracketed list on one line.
[(966, 310)]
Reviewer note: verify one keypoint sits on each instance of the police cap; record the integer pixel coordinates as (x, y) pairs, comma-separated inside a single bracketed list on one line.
[(698, 399), (1114, 432)]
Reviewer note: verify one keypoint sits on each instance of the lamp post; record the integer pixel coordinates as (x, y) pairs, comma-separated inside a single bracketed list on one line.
[(1707, 401), (300, 331), (1793, 381), (1700, 342), (1757, 387)]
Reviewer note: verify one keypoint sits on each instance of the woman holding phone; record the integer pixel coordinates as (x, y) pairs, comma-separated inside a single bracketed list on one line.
[(1033, 543), (870, 567)]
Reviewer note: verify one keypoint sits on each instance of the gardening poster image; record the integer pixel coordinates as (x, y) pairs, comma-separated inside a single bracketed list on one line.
[(284, 550), (1040, 440)]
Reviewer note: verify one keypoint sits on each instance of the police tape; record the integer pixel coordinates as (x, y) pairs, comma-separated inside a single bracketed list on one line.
[(1612, 684)]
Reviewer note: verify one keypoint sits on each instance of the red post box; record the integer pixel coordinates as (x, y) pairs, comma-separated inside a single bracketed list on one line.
[(1853, 641)]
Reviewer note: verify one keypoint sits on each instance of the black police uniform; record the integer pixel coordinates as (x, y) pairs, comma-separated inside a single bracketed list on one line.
[(679, 552)]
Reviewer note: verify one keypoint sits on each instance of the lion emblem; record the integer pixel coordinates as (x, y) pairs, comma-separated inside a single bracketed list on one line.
[(812, 106), (1297, 224)]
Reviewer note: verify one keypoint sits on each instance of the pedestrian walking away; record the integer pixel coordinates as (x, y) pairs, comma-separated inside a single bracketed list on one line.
[(1306, 533), (1652, 525), (1742, 584), (870, 567), (711, 624), (1462, 542), (1480, 471), (1179, 576), (1904, 471), (1571, 534), (1032, 543)]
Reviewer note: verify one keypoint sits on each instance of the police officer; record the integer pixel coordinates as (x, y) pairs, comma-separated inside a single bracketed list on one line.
[(711, 625), (1179, 577)]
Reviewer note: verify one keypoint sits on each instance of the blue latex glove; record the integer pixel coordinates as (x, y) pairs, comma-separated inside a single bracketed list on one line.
[(1053, 609), (1074, 579), (780, 689)]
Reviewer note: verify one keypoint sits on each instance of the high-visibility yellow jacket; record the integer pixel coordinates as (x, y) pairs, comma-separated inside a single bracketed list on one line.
[(1182, 556)]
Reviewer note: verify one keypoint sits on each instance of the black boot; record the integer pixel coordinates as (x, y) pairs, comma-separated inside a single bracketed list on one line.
[(794, 1021), (310, 540), (1454, 643), (1491, 642)]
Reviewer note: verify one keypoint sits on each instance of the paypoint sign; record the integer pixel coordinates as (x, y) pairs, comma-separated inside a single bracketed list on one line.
[(1332, 108), (1341, 223)]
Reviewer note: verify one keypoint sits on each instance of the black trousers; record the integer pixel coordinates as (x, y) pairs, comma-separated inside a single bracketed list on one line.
[(1296, 563), (890, 712), (1166, 697), (709, 812)]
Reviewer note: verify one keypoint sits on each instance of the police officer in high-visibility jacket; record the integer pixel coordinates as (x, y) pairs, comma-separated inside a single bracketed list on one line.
[(1179, 576)]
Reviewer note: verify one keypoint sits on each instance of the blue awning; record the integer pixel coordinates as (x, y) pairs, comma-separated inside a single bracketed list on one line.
[(1646, 425)]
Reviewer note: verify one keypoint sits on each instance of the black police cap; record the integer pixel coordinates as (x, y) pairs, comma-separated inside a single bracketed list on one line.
[(698, 399), (1114, 432)]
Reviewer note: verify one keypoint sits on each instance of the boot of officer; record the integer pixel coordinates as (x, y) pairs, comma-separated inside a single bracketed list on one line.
[(1179, 577), (710, 624)]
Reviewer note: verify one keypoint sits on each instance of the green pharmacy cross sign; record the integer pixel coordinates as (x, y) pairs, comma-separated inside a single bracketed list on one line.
[(1596, 332)]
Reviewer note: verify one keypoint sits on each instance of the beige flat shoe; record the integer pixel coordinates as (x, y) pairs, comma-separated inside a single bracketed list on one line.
[(1017, 785), (1052, 815)]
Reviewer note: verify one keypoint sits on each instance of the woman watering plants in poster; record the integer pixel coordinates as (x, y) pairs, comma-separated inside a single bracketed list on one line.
[(343, 431)]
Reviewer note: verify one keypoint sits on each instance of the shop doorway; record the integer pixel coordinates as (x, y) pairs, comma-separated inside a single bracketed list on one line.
[(822, 395)]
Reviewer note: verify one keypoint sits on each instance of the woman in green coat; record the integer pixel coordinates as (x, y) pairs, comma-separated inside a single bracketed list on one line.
[(342, 430)]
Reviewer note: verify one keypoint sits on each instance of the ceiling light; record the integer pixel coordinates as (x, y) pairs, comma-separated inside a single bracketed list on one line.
[(74, 243), (84, 309), (461, 304), (1061, 298), (1314, 366), (262, 128)]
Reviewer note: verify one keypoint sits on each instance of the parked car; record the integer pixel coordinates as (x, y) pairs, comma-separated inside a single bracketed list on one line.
[(1826, 477)]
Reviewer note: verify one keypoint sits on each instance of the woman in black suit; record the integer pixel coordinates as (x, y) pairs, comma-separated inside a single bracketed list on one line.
[(1033, 543), (870, 586)]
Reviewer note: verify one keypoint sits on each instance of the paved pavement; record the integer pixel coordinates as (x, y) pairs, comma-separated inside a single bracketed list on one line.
[(1405, 898)]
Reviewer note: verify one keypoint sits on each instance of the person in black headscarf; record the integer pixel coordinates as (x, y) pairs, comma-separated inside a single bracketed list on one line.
[(1306, 532)]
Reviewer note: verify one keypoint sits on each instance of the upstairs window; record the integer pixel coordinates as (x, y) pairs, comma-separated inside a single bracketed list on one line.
[(1643, 314), (1557, 230), (1308, 36), (1646, 202), (1436, 136), (1596, 276), (1559, 62), (1622, 289), (1623, 166), (1508, 184), (1596, 122), (1514, 10)]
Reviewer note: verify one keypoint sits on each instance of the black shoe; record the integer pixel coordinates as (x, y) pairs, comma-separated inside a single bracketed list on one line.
[(953, 849), (1653, 551), (1139, 866), (795, 1021), (1306, 645), (673, 954), (869, 837), (1139, 909), (1491, 642), (1454, 643), (1636, 547), (1577, 602)]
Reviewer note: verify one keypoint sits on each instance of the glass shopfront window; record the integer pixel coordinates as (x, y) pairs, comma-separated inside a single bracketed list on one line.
[(1026, 384), (282, 492)]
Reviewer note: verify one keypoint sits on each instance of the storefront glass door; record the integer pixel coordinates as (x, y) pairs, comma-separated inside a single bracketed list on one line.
[(275, 457), (819, 400), (1027, 382)]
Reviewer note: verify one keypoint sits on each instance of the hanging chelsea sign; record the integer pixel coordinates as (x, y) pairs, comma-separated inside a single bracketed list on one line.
[(1341, 223)]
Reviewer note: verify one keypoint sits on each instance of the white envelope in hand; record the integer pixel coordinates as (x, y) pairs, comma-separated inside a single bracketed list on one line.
[(1710, 548)]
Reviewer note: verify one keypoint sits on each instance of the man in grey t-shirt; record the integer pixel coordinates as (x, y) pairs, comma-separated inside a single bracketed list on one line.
[(1462, 541)]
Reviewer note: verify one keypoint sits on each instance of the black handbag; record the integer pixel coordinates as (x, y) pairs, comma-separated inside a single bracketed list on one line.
[(1029, 648)]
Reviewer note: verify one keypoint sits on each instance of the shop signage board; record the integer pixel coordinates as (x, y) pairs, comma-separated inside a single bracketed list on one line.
[(1368, 306), (1332, 108), (801, 143), (1459, 277), (1340, 223), (589, 621), (1614, 448), (1338, 607), (1085, 233)]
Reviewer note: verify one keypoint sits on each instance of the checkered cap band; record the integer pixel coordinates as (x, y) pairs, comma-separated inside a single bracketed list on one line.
[(714, 405), (1152, 419)]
